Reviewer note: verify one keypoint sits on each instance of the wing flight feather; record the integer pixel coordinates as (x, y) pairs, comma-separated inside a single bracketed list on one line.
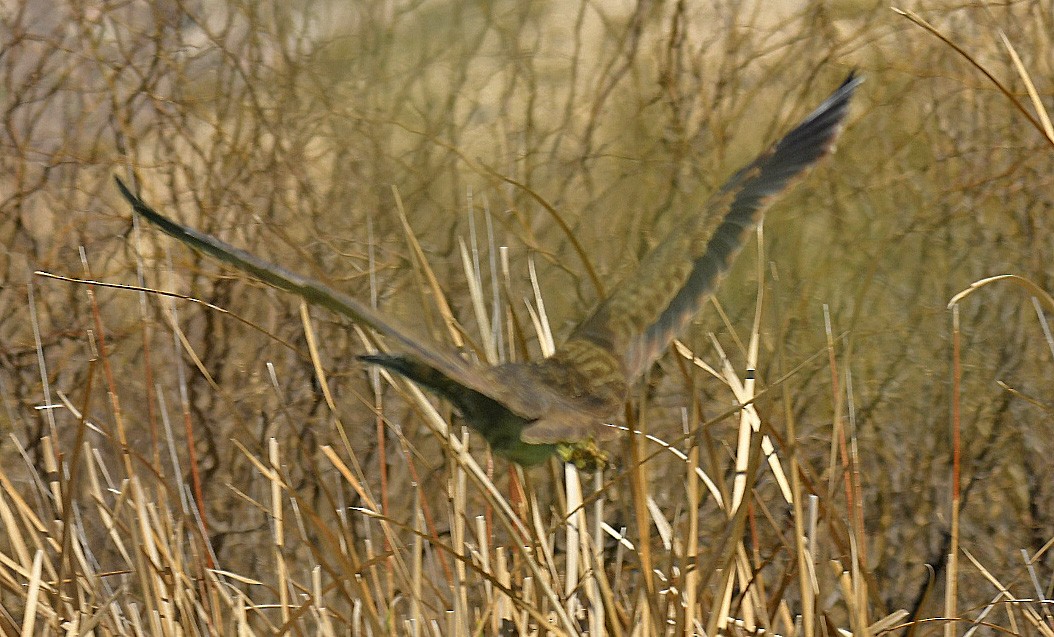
[(648, 310), (443, 360)]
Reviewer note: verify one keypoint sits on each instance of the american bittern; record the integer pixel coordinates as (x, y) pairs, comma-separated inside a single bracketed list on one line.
[(528, 411)]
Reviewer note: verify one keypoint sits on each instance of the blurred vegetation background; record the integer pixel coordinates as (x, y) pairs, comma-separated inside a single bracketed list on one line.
[(289, 129)]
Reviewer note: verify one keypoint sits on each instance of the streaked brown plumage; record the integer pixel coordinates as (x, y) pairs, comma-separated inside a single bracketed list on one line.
[(527, 411)]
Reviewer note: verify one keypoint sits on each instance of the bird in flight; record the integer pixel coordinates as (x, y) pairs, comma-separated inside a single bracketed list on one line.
[(561, 404)]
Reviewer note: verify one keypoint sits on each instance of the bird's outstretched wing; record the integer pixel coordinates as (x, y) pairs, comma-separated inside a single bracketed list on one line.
[(441, 367), (522, 408), (645, 312)]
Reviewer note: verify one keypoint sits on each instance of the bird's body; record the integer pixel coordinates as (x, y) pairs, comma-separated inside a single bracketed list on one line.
[(528, 411)]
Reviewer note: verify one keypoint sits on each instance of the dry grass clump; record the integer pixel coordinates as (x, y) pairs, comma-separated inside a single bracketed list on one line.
[(194, 453)]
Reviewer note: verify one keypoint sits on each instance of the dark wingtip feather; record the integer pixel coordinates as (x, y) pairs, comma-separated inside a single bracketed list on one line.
[(170, 227), (136, 203), (814, 137), (124, 189), (381, 360)]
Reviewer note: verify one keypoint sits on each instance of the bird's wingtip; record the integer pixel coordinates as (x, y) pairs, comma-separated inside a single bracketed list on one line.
[(124, 189), (854, 78)]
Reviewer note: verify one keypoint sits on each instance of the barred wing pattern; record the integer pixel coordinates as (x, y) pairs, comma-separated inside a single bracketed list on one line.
[(647, 311)]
